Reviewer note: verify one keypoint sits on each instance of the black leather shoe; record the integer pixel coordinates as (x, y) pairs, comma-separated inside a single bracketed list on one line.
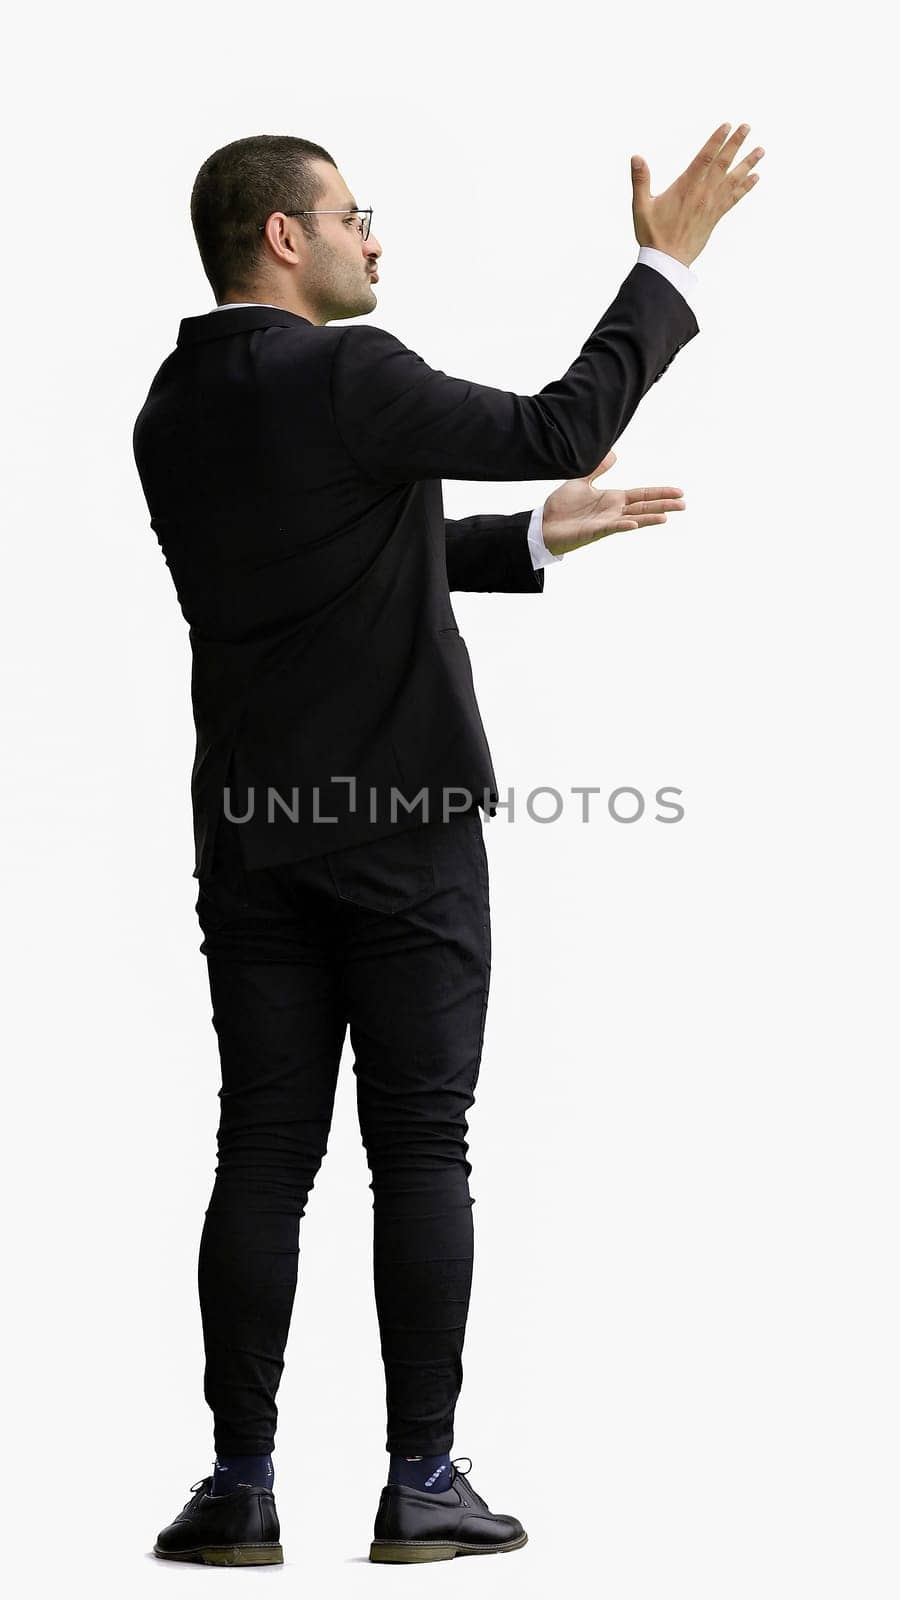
[(415, 1525), (239, 1529)]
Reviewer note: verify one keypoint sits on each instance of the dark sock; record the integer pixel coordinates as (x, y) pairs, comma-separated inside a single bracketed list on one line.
[(431, 1473), (230, 1471)]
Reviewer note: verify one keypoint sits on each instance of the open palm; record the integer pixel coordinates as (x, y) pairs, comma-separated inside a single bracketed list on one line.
[(577, 514)]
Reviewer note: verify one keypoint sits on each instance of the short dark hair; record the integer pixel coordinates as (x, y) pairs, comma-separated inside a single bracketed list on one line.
[(240, 185)]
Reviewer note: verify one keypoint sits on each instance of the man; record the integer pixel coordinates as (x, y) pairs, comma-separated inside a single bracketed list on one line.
[(292, 471)]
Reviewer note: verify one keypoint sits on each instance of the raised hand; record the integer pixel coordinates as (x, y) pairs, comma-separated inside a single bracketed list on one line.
[(577, 514), (680, 220)]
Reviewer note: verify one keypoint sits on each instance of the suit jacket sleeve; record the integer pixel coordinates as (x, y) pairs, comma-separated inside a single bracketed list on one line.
[(490, 552), (402, 420)]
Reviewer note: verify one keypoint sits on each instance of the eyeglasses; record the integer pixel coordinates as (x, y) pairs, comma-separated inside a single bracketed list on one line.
[(365, 217)]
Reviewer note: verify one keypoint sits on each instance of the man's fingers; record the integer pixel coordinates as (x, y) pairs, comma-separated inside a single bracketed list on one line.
[(640, 177), (749, 161), (739, 176), (744, 188), (706, 155), (731, 147), (636, 507), (739, 182), (625, 524), (656, 499)]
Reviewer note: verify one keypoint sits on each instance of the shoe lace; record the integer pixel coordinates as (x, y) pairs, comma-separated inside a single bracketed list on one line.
[(455, 1465)]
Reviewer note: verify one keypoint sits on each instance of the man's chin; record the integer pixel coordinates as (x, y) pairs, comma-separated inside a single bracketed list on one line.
[(367, 300), (367, 303)]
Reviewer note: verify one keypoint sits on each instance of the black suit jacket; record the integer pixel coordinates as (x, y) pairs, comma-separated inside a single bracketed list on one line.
[(292, 474)]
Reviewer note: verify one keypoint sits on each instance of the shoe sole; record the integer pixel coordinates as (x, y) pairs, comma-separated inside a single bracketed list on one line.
[(227, 1555), (436, 1549)]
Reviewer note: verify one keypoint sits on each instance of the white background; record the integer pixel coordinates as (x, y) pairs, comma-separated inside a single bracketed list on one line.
[(681, 1363)]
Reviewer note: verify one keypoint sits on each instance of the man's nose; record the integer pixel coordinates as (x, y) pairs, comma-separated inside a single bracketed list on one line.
[(372, 247)]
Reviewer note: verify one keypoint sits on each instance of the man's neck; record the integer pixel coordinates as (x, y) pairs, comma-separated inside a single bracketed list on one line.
[(281, 303)]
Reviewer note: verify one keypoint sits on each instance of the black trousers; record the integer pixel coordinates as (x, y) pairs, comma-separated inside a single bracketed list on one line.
[(390, 938)]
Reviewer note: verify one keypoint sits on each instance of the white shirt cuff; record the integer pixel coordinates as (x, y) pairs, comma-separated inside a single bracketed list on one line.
[(540, 555), (681, 277)]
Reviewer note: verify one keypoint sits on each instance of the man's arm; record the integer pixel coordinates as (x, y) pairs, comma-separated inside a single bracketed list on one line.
[(484, 553), (504, 553), (402, 421), (681, 277)]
